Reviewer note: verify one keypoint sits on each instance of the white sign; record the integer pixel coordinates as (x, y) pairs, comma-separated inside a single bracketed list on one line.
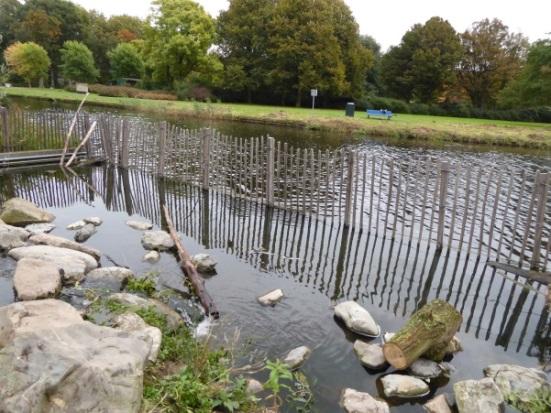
[(82, 87), (314, 93)]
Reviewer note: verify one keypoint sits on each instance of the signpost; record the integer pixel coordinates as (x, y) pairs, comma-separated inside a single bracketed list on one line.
[(314, 93)]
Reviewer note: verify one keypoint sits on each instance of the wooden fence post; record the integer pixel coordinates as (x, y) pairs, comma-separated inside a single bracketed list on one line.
[(444, 176), (541, 190), (349, 189), (162, 148), (5, 128), (270, 158), (205, 158), (124, 144)]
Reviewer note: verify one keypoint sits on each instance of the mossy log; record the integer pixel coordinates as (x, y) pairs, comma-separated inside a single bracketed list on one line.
[(427, 333)]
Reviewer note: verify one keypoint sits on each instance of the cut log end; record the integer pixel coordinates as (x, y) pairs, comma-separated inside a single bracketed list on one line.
[(393, 352)]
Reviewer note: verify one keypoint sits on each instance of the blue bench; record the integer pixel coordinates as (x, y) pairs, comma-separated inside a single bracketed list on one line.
[(385, 114)]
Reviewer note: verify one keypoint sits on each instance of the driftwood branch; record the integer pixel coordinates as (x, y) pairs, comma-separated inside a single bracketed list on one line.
[(190, 271), (71, 128), (82, 143)]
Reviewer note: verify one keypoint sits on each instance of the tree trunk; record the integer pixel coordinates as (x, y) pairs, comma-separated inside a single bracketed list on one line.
[(249, 96), (427, 333), (299, 98)]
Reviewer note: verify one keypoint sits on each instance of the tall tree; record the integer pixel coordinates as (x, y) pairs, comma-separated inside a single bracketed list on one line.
[(126, 62), (533, 85), (423, 65), (178, 40), (9, 12), (77, 62), (243, 42), (373, 82), (492, 56), (28, 60)]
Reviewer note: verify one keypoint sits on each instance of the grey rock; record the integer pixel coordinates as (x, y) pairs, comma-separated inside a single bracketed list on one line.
[(134, 324), (403, 386), (296, 357), (174, 320), (12, 237), (108, 278), (254, 386), (35, 279), (454, 346), (35, 229), (20, 212), (76, 225), (139, 225), (271, 298), (157, 240), (85, 233), (74, 264), (370, 355), (428, 369), (353, 401), (53, 361), (152, 257), (522, 382), (95, 221), (437, 405), (204, 263), (478, 396), (357, 319), (60, 242)]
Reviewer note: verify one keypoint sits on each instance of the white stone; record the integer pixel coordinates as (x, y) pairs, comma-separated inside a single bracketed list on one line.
[(76, 225), (437, 405), (51, 360), (522, 382), (271, 298), (204, 263), (425, 369), (254, 386), (388, 336), (353, 401), (134, 324), (85, 233), (55, 241), (403, 386), (370, 355), (36, 229), (75, 264), (152, 257), (12, 237), (296, 357), (357, 319), (454, 346), (478, 396), (35, 279), (19, 212), (139, 225), (157, 240), (96, 221)]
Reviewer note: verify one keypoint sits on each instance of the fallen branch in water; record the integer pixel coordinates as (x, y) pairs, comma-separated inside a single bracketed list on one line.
[(81, 144), (190, 271)]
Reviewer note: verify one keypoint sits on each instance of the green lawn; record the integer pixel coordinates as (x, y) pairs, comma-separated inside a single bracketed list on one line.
[(431, 128)]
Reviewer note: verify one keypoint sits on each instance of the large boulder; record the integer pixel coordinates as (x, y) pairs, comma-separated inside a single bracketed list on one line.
[(35, 279), (74, 264), (55, 241), (134, 324), (353, 401), (12, 237), (108, 278), (478, 396), (19, 212), (157, 240), (357, 319), (522, 383), (404, 386), (51, 360)]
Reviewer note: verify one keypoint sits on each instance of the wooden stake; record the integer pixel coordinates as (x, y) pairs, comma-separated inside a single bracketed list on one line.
[(82, 143), (73, 123)]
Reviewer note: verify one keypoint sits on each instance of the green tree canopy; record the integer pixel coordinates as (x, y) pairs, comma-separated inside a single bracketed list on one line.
[(492, 56), (9, 11), (533, 85), (126, 62), (178, 40), (77, 62), (28, 60), (423, 65)]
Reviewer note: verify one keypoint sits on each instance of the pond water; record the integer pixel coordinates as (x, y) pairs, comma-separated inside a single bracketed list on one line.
[(316, 263)]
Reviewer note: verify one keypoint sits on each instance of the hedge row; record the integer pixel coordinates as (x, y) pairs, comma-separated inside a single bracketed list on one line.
[(461, 110), (131, 92)]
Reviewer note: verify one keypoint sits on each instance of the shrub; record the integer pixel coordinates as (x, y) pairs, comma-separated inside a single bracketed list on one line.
[(131, 92), (77, 62)]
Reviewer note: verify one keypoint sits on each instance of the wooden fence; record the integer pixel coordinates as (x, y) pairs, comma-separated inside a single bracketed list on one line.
[(498, 214)]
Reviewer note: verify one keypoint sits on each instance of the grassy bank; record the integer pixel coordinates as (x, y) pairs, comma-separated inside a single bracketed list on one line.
[(419, 127)]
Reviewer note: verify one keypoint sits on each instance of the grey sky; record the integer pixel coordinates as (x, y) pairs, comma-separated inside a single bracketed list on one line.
[(388, 20)]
